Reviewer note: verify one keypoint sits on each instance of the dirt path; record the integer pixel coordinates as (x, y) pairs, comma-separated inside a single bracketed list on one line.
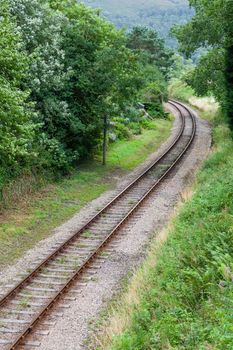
[(71, 330)]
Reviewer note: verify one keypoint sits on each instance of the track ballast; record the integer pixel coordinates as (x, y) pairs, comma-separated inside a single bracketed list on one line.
[(25, 306)]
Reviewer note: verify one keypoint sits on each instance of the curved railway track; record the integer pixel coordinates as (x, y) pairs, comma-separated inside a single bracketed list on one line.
[(25, 306)]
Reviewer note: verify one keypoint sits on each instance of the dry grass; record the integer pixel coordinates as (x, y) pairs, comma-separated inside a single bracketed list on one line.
[(22, 190), (119, 315), (205, 104)]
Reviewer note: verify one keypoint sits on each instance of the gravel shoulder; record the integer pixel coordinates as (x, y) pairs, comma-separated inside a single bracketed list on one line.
[(71, 330)]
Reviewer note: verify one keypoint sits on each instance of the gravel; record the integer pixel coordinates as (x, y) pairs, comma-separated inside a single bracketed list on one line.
[(71, 330)]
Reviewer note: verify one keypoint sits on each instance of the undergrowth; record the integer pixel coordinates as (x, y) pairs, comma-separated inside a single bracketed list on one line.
[(178, 89), (185, 301)]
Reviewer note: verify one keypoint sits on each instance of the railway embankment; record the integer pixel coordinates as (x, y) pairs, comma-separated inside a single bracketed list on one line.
[(129, 250), (181, 298), (125, 253), (34, 217)]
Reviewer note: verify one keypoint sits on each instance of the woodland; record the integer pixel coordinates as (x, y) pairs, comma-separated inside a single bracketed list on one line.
[(63, 69)]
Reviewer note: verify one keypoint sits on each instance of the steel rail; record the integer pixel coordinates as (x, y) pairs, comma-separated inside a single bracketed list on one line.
[(42, 313), (56, 252)]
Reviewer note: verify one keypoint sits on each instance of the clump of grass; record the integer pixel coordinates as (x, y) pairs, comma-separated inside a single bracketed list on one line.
[(103, 254), (87, 234), (61, 261), (24, 302), (131, 201)]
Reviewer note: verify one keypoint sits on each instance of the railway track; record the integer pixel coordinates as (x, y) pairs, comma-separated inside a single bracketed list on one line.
[(25, 306)]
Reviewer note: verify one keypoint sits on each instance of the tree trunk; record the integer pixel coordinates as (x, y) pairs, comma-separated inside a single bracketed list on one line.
[(105, 140)]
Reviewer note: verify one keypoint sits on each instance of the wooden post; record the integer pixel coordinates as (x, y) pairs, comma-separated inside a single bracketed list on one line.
[(105, 139)]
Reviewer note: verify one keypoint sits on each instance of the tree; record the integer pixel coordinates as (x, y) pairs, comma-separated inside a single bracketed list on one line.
[(40, 28), (155, 62), (16, 128), (212, 28), (147, 43), (103, 72)]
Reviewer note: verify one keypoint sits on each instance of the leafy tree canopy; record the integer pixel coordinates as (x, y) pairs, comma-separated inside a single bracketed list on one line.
[(63, 69), (16, 129), (152, 48), (103, 71), (212, 28)]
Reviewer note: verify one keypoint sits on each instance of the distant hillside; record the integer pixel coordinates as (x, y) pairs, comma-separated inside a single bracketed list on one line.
[(158, 14)]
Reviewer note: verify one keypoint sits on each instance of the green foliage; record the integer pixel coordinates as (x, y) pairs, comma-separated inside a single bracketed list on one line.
[(215, 83), (63, 69), (228, 102), (119, 129), (152, 97), (147, 43), (104, 73), (180, 90), (79, 69), (186, 302), (180, 67), (156, 62), (211, 28), (40, 28), (16, 129), (131, 123)]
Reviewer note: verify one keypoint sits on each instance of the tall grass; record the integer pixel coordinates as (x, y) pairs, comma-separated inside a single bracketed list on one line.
[(21, 189)]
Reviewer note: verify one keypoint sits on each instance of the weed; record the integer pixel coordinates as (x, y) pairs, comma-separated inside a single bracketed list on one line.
[(103, 254), (76, 265), (61, 261), (87, 234), (24, 302)]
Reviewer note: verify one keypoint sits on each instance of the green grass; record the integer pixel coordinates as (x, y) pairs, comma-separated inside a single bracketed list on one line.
[(185, 300), (128, 154), (35, 218)]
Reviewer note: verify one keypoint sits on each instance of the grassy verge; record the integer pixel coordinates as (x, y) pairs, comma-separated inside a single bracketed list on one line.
[(37, 215), (128, 154), (182, 297)]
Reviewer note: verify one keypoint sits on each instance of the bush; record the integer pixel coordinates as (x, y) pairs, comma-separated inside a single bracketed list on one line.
[(152, 99), (180, 90), (135, 128), (16, 129)]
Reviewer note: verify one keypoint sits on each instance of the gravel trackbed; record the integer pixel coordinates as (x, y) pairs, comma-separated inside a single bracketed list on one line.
[(129, 249)]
